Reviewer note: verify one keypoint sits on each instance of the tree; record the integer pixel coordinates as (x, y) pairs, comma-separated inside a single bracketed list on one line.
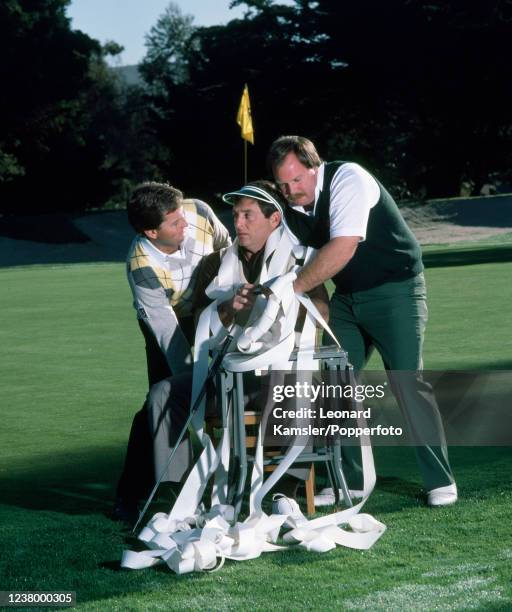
[(166, 60), (417, 91), (195, 117), (427, 84), (59, 114)]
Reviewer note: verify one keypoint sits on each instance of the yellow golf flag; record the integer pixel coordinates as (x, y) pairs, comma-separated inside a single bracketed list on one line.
[(244, 118)]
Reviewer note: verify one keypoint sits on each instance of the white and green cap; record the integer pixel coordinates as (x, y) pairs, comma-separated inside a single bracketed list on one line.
[(254, 192)]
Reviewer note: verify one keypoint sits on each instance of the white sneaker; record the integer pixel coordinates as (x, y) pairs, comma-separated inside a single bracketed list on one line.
[(442, 496), (287, 505), (326, 496)]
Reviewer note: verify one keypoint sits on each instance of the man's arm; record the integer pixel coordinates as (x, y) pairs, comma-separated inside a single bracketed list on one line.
[(320, 299), (328, 261), (207, 270), (221, 238), (243, 300), (154, 310)]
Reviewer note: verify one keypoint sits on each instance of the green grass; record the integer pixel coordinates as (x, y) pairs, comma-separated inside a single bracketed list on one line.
[(469, 298), (73, 374)]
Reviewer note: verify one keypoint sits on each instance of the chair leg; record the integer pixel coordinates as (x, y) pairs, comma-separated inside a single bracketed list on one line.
[(310, 491)]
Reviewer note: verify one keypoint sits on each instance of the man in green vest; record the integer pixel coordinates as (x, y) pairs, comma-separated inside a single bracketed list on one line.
[(374, 260)]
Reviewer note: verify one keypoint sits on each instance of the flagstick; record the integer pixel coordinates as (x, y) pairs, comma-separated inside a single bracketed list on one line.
[(245, 161)]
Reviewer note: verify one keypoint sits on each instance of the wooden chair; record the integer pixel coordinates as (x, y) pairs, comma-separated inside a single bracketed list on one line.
[(230, 391), (251, 421)]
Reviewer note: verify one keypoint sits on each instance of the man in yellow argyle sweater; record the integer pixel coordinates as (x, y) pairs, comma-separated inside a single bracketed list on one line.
[(173, 235)]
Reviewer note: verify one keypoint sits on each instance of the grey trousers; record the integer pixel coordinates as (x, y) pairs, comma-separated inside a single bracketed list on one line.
[(392, 318), (168, 406)]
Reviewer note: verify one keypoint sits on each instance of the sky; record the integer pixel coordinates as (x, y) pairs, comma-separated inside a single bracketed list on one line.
[(127, 21)]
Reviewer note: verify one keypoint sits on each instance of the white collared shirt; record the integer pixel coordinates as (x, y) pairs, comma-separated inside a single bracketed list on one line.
[(354, 192), (161, 258)]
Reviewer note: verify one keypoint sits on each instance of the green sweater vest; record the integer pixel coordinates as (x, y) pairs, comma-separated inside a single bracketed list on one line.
[(389, 253)]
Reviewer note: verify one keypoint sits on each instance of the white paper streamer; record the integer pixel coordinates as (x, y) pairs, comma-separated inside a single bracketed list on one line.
[(192, 539)]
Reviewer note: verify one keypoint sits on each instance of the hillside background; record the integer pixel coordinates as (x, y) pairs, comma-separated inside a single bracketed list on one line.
[(418, 92)]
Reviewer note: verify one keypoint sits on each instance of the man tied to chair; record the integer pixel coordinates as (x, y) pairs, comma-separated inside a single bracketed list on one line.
[(257, 225)]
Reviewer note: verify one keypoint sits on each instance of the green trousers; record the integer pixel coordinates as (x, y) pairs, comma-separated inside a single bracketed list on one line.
[(392, 318)]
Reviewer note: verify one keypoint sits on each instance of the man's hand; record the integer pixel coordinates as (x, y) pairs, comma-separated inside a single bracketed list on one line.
[(329, 260), (243, 299), (262, 290)]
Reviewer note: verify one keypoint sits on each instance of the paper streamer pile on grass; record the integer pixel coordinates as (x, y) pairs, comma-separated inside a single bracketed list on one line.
[(191, 538)]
